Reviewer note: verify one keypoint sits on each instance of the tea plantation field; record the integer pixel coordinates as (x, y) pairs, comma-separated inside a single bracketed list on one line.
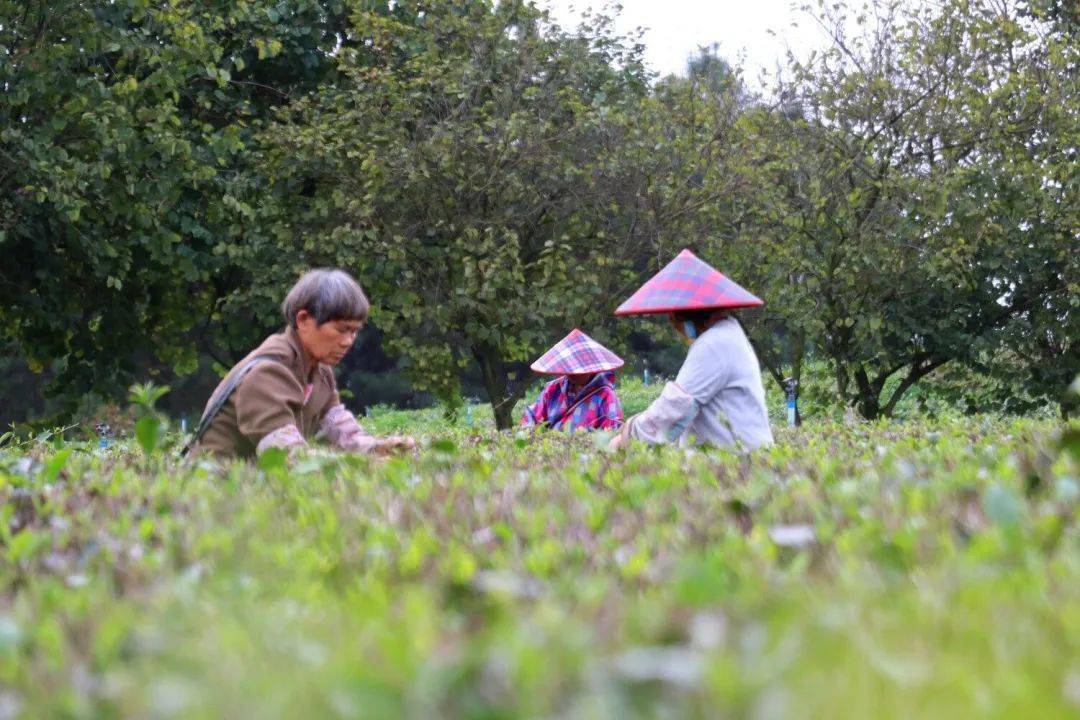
[(905, 569)]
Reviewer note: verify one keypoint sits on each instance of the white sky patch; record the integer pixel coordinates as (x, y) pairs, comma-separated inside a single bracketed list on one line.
[(676, 28)]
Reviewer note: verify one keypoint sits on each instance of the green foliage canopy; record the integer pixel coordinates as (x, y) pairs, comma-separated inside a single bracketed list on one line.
[(124, 130), (914, 203), (471, 168)]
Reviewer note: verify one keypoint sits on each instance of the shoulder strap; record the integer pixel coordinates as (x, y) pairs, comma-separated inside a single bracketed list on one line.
[(219, 398)]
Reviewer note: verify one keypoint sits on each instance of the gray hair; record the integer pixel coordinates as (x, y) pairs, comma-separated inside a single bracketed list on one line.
[(328, 294)]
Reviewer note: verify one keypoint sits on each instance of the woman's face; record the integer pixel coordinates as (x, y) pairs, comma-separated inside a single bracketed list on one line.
[(576, 382), (680, 326), (326, 343)]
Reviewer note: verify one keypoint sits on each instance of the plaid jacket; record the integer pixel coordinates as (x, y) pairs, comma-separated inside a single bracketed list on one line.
[(594, 407)]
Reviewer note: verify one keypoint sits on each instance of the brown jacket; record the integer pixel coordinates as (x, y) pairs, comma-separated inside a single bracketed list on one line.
[(269, 398)]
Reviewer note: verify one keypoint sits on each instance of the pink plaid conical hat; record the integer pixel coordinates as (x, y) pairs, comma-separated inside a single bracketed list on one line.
[(687, 283), (577, 353)]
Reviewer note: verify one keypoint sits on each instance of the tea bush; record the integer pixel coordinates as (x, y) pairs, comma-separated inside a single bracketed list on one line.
[(924, 569)]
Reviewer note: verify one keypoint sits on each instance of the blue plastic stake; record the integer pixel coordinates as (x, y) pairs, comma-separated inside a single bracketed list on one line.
[(792, 389)]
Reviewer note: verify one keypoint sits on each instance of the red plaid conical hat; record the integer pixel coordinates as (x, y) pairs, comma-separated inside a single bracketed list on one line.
[(577, 353), (687, 283)]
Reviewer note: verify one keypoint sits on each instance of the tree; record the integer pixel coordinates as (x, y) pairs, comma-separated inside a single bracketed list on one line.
[(913, 214), (125, 127), (471, 168)]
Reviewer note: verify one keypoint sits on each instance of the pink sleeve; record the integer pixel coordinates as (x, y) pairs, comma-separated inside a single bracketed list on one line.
[(344, 432), (536, 413)]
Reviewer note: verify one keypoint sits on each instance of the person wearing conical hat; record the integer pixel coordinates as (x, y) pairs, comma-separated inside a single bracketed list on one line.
[(583, 396), (717, 397)]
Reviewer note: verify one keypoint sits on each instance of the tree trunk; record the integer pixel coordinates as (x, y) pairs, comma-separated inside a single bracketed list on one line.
[(869, 402), (501, 396), (918, 371), (841, 381), (868, 406), (868, 398), (797, 353), (504, 413)]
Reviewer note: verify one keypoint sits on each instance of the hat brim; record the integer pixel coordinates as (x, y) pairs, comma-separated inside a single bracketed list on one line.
[(684, 308), (574, 371)]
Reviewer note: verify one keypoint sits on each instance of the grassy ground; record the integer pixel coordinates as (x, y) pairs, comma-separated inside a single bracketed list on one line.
[(914, 569)]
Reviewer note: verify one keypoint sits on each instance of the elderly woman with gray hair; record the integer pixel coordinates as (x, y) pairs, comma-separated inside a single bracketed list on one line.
[(283, 394)]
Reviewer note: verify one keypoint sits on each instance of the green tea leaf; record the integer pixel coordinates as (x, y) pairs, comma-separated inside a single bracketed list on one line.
[(55, 464), (445, 446), (148, 433), (272, 459)]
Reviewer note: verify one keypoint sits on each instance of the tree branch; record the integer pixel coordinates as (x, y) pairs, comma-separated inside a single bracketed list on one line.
[(916, 373)]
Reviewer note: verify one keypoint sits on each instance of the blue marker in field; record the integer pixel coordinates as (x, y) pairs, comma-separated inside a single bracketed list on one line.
[(104, 431), (791, 387)]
